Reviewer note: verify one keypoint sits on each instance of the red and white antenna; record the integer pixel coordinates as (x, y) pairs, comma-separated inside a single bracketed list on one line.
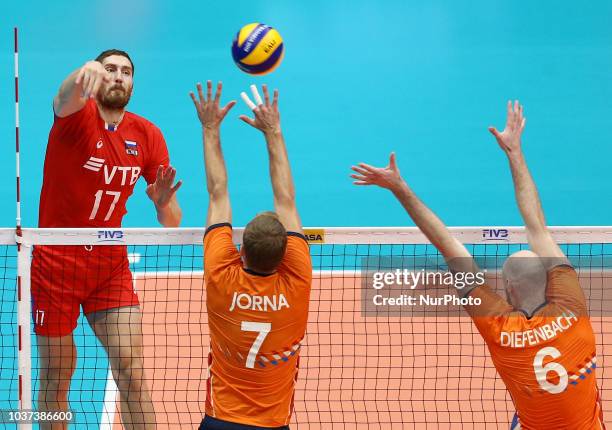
[(18, 220), (23, 279)]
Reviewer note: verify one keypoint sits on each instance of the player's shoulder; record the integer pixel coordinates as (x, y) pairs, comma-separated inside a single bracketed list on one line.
[(218, 232), (142, 123), (296, 238)]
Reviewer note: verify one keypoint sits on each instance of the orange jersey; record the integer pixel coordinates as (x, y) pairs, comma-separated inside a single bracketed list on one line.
[(257, 323), (547, 361)]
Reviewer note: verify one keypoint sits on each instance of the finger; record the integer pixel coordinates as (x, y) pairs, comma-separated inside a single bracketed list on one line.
[(193, 99), (509, 112), (264, 87), (516, 112), (227, 108), (85, 84), (362, 183), (358, 177), (247, 100), (392, 163), (368, 167), (249, 121), (208, 90), (200, 93), (96, 87), (170, 175), (91, 85), (359, 170), (175, 188), (275, 101), (218, 94), (523, 123), (80, 75), (256, 95), (160, 172), (494, 132)]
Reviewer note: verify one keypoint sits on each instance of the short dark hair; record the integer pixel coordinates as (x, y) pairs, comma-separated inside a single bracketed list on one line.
[(110, 52), (264, 242)]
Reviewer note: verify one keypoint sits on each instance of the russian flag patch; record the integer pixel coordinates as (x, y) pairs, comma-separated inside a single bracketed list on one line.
[(131, 147)]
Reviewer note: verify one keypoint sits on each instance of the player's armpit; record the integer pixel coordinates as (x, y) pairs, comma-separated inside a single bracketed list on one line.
[(288, 216), (543, 244)]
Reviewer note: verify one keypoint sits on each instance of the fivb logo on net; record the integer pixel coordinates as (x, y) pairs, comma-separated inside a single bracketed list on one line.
[(110, 236), (495, 234)]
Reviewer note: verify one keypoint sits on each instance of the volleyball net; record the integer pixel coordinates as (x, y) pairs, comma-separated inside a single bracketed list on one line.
[(363, 363)]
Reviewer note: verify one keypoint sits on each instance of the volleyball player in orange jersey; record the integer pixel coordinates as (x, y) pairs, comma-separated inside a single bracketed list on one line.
[(540, 338), (256, 298)]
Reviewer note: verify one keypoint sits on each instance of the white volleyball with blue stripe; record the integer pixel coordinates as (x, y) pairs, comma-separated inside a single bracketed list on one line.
[(257, 49)]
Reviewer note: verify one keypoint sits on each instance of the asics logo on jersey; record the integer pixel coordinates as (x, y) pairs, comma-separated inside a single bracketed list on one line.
[(258, 303), (94, 164)]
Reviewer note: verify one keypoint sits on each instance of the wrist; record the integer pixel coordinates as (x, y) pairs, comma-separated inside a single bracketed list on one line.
[(399, 187), (515, 156), (206, 128), (272, 133)]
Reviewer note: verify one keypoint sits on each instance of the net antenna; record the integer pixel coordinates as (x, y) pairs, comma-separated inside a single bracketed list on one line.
[(23, 275), (18, 215)]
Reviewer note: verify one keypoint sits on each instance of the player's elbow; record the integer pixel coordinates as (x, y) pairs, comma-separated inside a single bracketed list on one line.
[(217, 190)]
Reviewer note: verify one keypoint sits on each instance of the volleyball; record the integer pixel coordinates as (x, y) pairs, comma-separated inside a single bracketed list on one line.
[(257, 49)]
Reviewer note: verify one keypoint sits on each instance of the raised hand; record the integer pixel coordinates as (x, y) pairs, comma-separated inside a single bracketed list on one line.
[(510, 139), (162, 190), (386, 177), (209, 111), (90, 77), (267, 116)]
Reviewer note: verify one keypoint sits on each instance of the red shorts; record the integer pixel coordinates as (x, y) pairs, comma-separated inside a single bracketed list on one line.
[(66, 277)]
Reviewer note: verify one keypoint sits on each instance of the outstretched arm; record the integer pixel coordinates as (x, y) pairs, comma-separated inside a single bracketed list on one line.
[(267, 120), (80, 85), (527, 198), (211, 115), (389, 177)]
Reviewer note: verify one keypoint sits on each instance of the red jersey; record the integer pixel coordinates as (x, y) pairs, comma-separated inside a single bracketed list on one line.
[(91, 167), (547, 361)]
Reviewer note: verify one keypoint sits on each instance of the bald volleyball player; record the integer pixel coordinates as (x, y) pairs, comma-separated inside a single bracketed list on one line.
[(257, 299), (540, 337)]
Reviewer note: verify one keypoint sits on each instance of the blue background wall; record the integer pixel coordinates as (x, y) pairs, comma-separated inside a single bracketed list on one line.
[(359, 79)]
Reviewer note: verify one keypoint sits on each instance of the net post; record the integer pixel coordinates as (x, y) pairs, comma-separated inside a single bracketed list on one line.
[(24, 305)]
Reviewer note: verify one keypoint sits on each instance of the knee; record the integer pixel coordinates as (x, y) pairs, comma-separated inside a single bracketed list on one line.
[(56, 378), (129, 370)]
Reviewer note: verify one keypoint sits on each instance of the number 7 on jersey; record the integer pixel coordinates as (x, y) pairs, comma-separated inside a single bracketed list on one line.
[(263, 329)]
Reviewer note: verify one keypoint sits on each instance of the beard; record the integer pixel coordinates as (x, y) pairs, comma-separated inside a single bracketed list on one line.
[(114, 97)]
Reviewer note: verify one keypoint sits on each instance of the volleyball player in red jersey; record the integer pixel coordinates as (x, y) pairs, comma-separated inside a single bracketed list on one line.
[(95, 154), (540, 337), (257, 298)]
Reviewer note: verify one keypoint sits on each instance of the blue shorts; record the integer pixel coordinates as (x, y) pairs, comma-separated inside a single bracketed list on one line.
[(210, 423)]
